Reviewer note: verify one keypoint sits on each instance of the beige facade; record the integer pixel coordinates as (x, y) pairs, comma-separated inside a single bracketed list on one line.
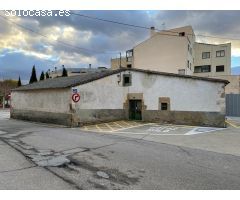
[(155, 54), (176, 51), (234, 86), (212, 60), (115, 63), (167, 51)]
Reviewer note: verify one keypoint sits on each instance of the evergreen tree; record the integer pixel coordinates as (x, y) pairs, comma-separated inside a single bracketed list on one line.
[(64, 73), (33, 76), (42, 76), (19, 82), (47, 75)]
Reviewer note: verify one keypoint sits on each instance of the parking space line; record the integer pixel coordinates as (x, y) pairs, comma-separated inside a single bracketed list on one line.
[(98, 127), (126, 123), (123, 127), (196, 131), (231, 124), (100, 130), (122, 132), (180, 126), (149, 134), (135, 122), (109, 126), (105, 127), (118, 124), (133, 127)]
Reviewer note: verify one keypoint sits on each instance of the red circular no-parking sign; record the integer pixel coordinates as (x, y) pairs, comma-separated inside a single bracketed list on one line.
[(76, 97)]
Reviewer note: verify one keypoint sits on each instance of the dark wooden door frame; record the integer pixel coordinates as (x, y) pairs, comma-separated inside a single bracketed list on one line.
[(135, 109)]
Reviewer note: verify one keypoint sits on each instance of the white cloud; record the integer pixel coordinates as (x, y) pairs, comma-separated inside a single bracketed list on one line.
[(102, 36)]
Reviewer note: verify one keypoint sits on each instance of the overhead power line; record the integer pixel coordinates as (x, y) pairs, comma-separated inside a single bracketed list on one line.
[(57, 41), (110, 21), (162, 32)]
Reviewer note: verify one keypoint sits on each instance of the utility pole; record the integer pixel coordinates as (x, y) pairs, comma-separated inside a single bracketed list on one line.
[(120, 59)]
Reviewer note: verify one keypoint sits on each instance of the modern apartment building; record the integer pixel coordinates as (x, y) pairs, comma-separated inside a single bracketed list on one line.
[(176, 51), (212, 60), (167, 51)]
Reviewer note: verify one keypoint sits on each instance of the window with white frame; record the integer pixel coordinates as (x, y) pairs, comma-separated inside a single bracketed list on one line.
[(220, 53)]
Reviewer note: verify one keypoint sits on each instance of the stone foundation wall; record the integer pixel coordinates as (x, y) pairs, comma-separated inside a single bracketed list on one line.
[(214, 119), (77, 118), (91, 116), (87, 116), (44, 117)]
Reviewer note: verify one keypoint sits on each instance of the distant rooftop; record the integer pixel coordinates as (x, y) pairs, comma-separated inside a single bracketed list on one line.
[(81, 69)]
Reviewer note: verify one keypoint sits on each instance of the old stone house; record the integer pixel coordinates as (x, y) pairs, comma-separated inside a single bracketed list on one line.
[(124, 93)]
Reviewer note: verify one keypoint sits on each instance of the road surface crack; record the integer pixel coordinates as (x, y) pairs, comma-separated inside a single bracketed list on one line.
[(20, 169)]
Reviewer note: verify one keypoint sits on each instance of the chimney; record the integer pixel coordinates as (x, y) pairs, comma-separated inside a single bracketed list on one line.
[(152, 31)]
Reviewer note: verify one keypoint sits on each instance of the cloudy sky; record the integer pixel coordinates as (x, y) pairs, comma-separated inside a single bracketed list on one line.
[(76, 41)]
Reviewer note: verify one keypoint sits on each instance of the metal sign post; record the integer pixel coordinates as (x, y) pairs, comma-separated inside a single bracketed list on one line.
[(3, 102)]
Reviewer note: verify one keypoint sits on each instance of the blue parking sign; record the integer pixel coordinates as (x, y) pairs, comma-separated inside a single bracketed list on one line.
[(74, 91)]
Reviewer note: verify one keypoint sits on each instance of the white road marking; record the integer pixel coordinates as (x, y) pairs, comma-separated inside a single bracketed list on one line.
[(136, 126), (118, 124), (109, 126), (231, 123), (154, 129), (4, 115), (159, 129), (200, 130), (160, 134)]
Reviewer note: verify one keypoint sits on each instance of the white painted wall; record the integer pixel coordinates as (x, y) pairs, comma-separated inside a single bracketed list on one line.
[(54, 100), (185, 94)]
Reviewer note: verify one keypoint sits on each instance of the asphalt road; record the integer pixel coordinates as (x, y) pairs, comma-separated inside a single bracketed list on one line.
[(38, 156)]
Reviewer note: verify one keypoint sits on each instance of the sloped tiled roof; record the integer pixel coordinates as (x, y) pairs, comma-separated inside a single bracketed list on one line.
[(66, 82)]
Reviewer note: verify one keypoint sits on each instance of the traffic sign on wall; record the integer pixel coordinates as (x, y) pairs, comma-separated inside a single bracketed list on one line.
[(76, 97), (74, 90)]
